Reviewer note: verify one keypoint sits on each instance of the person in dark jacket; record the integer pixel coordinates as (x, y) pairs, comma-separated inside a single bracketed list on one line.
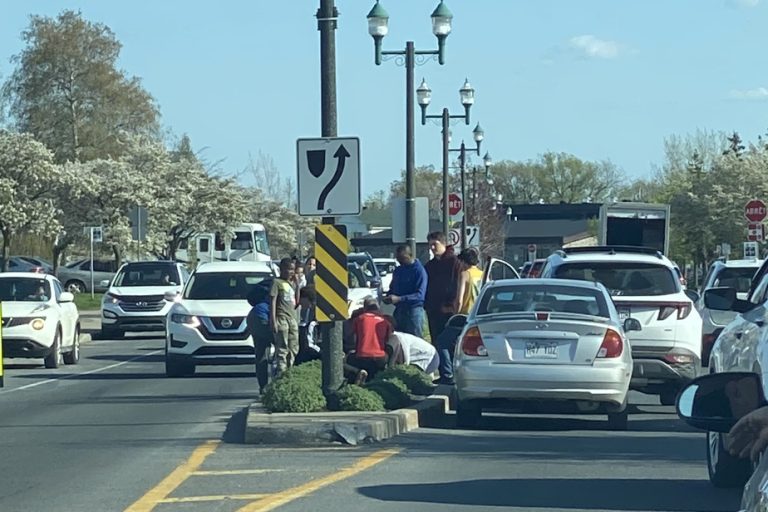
[(407, 292), (442, 284), (258, 326)]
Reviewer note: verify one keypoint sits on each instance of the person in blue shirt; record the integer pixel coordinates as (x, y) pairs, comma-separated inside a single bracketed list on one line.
[(261, 333), (407, 292)]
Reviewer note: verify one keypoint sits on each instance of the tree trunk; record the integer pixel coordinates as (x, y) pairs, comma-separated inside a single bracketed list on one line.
[(6, 249), (118, 256)]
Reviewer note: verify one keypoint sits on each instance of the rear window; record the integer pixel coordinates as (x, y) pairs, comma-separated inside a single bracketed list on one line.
[(623, 279), (554, 298), (739, 278)]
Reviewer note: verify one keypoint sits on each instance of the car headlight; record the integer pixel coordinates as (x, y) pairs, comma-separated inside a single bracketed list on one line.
[(38, 324), (34, 322), (110, 298), (188, 320)]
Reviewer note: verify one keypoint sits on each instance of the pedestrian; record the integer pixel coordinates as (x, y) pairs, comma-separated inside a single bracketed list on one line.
[(470, 282), (299, 279), (308, 347), (258, 326), (417, 351), (442, 284), (407, 292), (371, 331), (283, 317), (310, 268)]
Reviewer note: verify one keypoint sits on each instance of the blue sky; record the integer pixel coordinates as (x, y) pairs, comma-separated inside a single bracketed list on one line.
[(602, 79)]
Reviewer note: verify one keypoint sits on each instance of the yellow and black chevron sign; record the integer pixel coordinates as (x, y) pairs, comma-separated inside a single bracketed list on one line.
[(331, 279)]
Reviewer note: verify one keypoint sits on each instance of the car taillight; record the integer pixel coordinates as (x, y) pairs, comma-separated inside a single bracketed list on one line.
[(679, 356), (612, 345), (683, 309), (472, 343)]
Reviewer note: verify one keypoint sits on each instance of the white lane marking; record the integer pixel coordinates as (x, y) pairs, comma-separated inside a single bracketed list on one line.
[(89, 372)]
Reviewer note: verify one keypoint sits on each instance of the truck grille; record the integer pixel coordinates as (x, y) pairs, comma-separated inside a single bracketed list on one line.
[(142, 304)]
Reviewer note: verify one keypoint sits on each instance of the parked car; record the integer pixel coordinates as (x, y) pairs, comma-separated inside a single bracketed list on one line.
[(136, 299), (357, 291), (207, 323), (535, 270), (19, 264), (39, 319), (77, 275), (365, 261), (551, 341), (46, 265), (644, 285), (386, 268), (736, 274)]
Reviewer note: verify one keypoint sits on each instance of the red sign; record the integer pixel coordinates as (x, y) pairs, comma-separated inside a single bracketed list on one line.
[(755, 211), (756, 232), (531, 247), (455, 204)]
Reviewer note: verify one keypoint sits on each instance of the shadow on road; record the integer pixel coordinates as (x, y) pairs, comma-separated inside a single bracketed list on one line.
[(564, 493), (235, 431), (136, 376)]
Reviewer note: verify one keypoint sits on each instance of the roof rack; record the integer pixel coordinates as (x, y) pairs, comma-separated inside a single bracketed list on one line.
[(613, 249)]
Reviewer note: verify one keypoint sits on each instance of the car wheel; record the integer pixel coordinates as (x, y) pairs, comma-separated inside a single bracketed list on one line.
[(668, 396), (725, 470), (75, 286), (176, 368), (73, 356), (55, 359), (468, 414)]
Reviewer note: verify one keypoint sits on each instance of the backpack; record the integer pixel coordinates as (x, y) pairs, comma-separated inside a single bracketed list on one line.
[(260, 292)]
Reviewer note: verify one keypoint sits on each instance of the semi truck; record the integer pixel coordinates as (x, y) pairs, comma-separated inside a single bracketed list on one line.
[(635, 224)]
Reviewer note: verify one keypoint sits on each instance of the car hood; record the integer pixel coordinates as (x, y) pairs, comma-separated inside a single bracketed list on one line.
[(230, 308), (15, 309), (133, 291), (360, 294)]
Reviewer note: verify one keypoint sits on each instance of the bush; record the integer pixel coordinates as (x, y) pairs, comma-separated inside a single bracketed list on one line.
[(393, 391), (294, 393), (307, 371), (356, 398), (418, 382)]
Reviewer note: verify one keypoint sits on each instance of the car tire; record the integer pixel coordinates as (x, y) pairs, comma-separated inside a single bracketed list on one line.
[(177, 368), (55, 358), (75, 286), (725, 471), (468, 414), (618, 421), (108, 333), (73, 356), (668, 396)]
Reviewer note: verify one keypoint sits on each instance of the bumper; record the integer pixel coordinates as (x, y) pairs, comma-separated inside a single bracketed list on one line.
[(24, 347), (132, 322), (485, 380), (187, 344), (651, 373)]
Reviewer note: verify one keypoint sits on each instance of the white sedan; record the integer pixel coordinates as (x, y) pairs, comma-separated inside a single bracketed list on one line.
[(40, 319)]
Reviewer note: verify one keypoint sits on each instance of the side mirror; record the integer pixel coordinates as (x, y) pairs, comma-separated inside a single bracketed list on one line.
[(715, 402), (171, 295), (720, 299), (632, 324), (66, 297), (104, 283), (458, 321), (693, 295)]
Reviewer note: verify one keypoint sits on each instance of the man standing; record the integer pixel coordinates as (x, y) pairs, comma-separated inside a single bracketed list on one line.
[(407, 292), (442, 284), (283, 317)]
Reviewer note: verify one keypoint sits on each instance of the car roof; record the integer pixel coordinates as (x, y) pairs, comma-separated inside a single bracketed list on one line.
[(576, 283), (150, 262), (234, 266), (621, 257), (740, 263), (25, 274)]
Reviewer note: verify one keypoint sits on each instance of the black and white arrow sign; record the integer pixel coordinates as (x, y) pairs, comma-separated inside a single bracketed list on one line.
[(328, 178)]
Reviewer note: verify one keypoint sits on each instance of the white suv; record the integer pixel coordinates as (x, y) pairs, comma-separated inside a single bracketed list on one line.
[(207, 324), (136, 299), (644, 285)]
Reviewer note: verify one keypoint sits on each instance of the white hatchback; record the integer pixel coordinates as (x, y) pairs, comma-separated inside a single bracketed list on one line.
[(40, 319), (207, 323)]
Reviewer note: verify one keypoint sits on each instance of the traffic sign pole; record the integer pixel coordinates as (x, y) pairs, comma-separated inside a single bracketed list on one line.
[(2, 365)]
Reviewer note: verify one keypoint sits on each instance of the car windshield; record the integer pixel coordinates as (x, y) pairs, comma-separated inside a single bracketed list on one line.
[(24, 289), (356, 278), (223, 285), (735, 277), (623, 278), (535, 297), (365, 264), (385, 266), (262, 243), (148, 274)]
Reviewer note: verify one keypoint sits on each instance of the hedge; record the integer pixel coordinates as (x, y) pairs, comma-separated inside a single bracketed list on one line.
[(393, 391), (356, 398), (417, 381), (298, 390)]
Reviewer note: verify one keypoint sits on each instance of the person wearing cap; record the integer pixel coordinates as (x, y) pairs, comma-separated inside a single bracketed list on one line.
[(371, 331)]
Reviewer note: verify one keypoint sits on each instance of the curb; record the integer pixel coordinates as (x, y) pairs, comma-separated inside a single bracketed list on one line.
[(350, 428)]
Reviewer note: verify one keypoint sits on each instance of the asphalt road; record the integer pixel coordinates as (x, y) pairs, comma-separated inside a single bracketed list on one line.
[(115, 434)]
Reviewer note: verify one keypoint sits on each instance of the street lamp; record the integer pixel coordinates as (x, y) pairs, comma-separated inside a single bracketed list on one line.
[(378, 27), (467, 96), (488, 161)]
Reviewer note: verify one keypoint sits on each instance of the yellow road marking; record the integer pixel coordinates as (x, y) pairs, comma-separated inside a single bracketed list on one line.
[(161, 491), (198, 499), (235, 472), (279, 499)]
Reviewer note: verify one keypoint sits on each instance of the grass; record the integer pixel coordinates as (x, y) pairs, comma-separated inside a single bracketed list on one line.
[(84, 302)]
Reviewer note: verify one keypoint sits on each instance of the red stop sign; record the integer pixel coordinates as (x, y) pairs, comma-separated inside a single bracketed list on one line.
[(455, 204), (755, 211)]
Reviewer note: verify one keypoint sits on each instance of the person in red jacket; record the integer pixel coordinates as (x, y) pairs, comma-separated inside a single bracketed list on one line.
[(442, 284), (371, 330)]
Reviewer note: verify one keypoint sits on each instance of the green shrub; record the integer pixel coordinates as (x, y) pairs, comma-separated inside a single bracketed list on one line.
[(356, 398), (418, 382), (308, 371), (393, 391), (294, 393)]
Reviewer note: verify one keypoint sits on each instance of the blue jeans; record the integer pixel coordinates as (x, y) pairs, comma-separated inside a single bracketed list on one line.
[(410, 319), (446, 345)]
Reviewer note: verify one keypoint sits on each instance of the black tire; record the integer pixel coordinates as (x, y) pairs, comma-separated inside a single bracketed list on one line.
[(176, 368), (73, 356), (725, 471), (618, 420), (75, 286), (108, 333), (468, 414), (55, 358), (668, 396)]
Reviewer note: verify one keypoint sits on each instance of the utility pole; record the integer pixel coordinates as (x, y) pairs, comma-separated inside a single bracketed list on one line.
[(463, 164), (330, 333), (446, 118)]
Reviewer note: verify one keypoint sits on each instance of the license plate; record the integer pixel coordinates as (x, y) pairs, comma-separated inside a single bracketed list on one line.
[(541, 349), (624, 313)]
